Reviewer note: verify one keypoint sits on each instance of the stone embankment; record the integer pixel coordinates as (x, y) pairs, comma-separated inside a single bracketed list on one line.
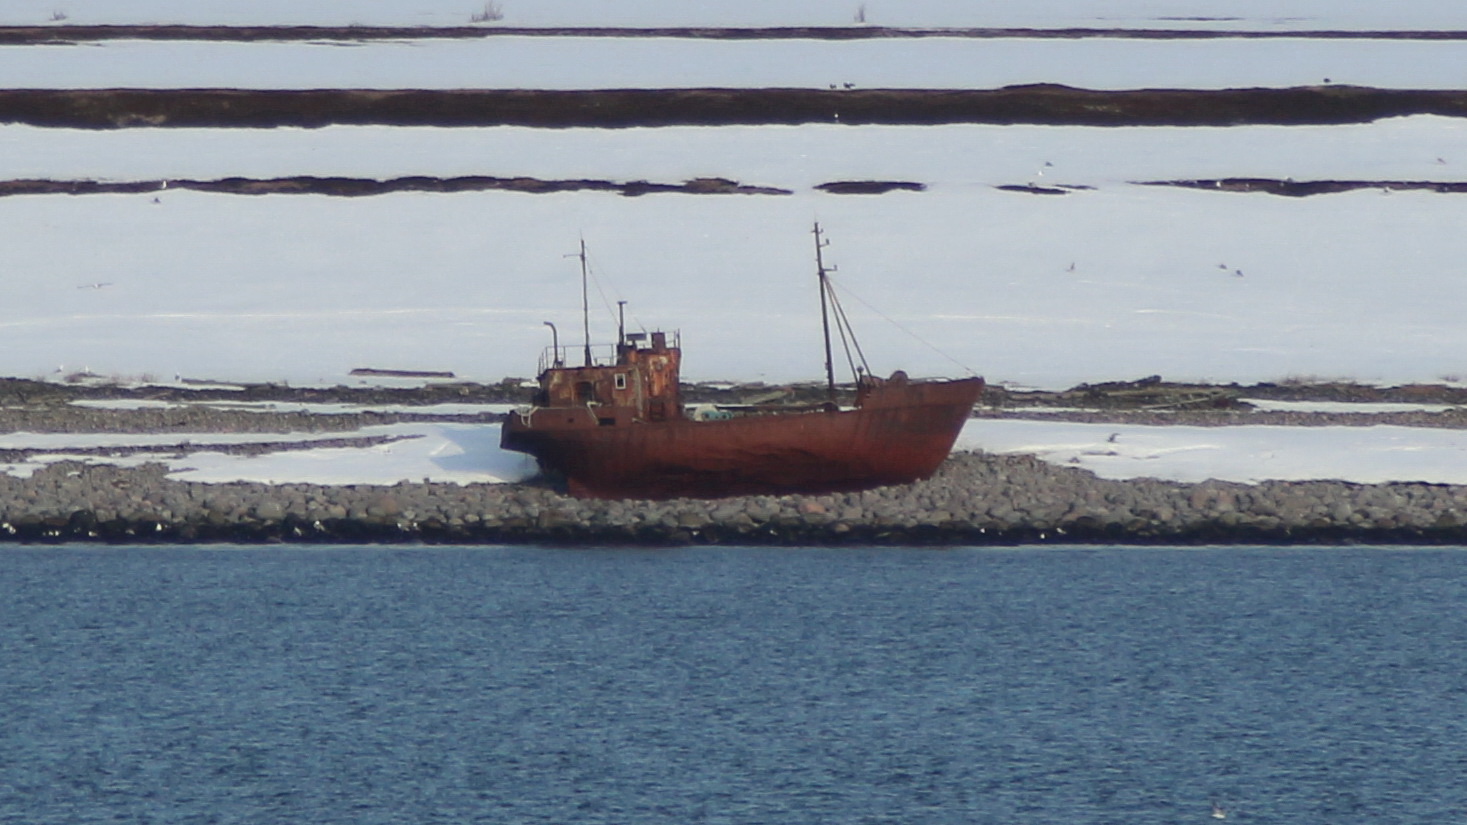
[(974, 499)]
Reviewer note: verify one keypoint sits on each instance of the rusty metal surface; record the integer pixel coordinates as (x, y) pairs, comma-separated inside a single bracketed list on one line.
[(902, 433)]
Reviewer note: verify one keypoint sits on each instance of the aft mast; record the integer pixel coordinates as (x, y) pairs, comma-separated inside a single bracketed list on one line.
[(822, 274)]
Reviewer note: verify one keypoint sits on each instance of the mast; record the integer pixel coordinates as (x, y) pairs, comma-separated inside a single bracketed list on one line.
[(822, 274), (585, 304)]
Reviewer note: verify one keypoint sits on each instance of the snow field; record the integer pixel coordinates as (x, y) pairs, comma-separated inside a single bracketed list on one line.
[(1264, 15), (305, 288), (791, 157), (511, 62)]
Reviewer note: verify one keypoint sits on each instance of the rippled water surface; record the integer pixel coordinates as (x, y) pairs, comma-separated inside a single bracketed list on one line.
[(383, 685)]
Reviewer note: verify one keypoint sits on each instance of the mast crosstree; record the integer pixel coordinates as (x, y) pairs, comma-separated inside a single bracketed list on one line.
[(830, 305)]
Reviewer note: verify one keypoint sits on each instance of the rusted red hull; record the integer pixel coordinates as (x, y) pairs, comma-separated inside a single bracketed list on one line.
[(899, 434)]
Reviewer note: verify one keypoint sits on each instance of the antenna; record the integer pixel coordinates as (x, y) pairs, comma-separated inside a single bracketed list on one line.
[(822, 273)]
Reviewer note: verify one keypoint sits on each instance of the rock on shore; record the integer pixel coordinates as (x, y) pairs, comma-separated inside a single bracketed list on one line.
[(973, 499)]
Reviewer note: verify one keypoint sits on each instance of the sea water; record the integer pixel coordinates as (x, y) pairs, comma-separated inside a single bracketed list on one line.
[(732, 685)]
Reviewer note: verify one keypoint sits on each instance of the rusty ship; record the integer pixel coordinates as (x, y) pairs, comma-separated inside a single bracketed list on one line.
[(619, 429)]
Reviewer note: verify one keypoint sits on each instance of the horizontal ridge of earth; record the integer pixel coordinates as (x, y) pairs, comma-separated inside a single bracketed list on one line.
[(1304, 188), (356, 187), (1047, 104), (360, 186), (22, 35)]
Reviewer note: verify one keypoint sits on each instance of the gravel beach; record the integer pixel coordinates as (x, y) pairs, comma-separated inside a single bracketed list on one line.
[(974, 498)]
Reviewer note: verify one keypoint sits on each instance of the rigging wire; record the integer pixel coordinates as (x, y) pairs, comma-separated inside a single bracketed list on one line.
[(919, 339), (842, 321), (841, 327), (600, 290), (606, 302)]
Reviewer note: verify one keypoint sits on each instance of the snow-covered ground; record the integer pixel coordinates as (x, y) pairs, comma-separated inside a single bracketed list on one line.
[(441, 452), (463, 453), (510, 62), (1115, 283), (1267, 15), (795, 157), (1354, 407), (298, 407), (1366, 455)]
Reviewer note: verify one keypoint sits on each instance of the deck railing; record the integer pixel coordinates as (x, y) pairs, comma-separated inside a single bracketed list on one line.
[(602, 355)]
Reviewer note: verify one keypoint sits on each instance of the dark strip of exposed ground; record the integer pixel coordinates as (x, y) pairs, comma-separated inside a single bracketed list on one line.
[(38, 407), (1153, 394), (620, 108), (21, 394), (24, 35), (1154, 402), (204, 419), (361, 187), (1305, 188), (21, 397), (358, 187), (1445, 420)]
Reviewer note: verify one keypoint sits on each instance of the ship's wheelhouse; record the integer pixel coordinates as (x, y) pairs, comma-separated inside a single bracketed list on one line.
[(640, 385)]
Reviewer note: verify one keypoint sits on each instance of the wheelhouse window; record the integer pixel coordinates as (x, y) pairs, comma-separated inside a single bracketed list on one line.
[(621, 380)]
